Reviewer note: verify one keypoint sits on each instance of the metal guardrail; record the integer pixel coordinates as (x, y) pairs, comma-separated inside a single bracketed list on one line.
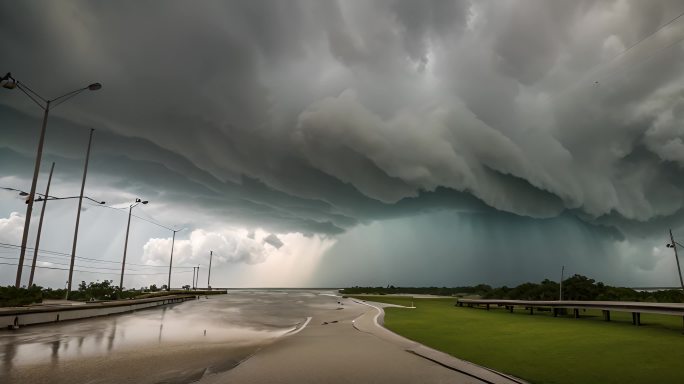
[(634, 307)]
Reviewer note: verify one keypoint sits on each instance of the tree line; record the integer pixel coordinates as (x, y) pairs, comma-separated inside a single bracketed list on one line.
[(12, 296), (576, 287)]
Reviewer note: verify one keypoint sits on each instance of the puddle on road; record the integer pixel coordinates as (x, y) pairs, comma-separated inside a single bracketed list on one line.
[(217, 320)]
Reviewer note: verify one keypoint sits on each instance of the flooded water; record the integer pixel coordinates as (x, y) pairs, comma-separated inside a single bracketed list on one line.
[(171, 344)]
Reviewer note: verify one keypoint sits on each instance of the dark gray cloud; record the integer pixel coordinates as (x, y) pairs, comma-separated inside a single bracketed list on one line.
[(320, 116)]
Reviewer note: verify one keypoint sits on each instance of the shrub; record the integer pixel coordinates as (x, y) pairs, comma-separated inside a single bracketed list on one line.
[(11, 296)]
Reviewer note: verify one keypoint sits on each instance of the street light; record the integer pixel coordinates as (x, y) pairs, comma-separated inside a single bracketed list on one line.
[(78, 211), (673, 244), (560, 287), (128, 227), (41, 197), (10, 82), (40, 227), (40, 224), (44, 198), (173, 241), (70, 197), (211, 256)]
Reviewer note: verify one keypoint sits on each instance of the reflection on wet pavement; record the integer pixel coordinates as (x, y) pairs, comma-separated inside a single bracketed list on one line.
[(236, 320)]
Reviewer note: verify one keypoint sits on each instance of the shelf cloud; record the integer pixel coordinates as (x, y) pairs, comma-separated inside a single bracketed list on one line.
[(322, 117)]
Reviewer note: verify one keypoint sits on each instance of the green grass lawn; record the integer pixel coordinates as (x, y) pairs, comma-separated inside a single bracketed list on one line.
[(544, 349)]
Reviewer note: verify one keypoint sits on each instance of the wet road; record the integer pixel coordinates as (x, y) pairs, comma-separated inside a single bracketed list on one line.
[(175, 344), (251, 336)]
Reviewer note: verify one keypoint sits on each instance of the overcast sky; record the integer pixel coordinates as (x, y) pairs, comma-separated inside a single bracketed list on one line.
[(337, 143)]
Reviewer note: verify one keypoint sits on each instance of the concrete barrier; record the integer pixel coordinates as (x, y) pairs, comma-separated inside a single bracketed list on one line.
[(22, 316)]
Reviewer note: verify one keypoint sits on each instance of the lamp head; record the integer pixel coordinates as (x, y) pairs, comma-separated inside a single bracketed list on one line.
[(8, 81), (95, 86), (144, 201), (22, 193), (102, 203)]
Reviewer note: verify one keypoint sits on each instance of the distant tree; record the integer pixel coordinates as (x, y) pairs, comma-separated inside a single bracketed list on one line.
[(96, 290), (580, 287), (577, 287)]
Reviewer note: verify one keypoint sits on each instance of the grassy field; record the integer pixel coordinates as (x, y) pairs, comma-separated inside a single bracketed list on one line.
[(544, 349)]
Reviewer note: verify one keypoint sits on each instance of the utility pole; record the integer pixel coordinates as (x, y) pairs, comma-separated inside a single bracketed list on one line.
[(32, 194), (78, 214), (128, 227), (40, 226), (673, 245), (560, 293), (10, 82), (211, 256), (197, 279), (173, 241), (123, 264)]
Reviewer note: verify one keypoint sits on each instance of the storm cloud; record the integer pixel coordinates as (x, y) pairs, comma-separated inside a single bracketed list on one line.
[(322, 118)]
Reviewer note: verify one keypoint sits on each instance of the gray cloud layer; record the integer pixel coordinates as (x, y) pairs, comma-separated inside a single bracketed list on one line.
[(315, 116)]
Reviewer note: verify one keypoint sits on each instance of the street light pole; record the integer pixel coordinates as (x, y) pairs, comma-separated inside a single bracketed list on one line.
[(78, 214), (193, 277), (123, 264), (32, 193), (211, 256), (40, 226), (128, 227), (173, 241), (560, 290), (10, 82), (674, 247)]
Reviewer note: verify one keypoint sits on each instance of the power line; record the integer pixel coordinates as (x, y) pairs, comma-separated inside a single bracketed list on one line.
[(102, 273), (54, 254), (597, 68), (646, 59), (82, 266), (643, 39), (154, 220), (123, 209), (5, 245)]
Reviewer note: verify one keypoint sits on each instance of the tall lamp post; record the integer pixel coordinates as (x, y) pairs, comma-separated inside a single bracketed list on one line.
[(78, 214), (173, 241), (40, 226), (673, 245), (128, 227), (44, 199), (211, 256), (10, 82), (560, 287)]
